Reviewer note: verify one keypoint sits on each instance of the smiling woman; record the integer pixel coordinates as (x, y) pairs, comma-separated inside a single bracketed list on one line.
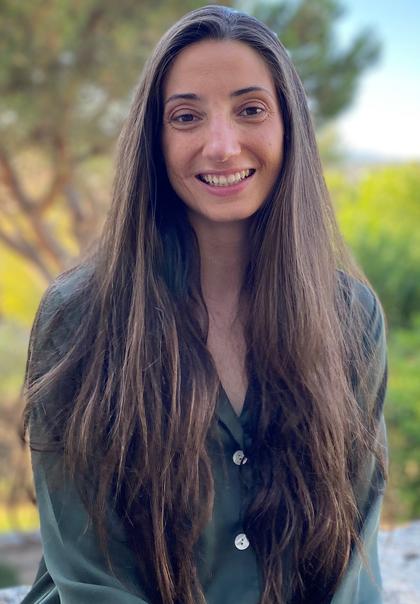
[(223, 140), (205, 391)]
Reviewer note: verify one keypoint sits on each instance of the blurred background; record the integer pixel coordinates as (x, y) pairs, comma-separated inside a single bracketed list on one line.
[(67, 71)]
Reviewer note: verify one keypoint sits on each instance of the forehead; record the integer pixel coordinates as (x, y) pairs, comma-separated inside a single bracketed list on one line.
[(227, 63)]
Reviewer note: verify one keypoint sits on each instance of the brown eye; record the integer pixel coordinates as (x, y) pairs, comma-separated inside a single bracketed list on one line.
[(184, 118), (252, 111)]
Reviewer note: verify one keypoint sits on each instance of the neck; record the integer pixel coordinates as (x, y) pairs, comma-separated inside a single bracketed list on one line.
[(224, 256)]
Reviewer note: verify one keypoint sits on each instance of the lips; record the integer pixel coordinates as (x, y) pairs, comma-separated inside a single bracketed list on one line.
[(226, 179)]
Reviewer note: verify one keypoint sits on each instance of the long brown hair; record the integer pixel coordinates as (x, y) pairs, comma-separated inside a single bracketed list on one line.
[(141, 387)]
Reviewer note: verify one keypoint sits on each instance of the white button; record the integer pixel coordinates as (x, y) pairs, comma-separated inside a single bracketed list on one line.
[(241, 541), (239, 458)]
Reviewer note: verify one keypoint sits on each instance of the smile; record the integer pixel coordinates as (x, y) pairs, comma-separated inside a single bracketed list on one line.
[(226, 180)]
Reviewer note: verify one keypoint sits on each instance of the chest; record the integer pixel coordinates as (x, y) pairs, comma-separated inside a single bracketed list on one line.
[(228, 349)]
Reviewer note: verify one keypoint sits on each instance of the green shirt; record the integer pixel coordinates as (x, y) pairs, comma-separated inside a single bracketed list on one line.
[(73, 570)]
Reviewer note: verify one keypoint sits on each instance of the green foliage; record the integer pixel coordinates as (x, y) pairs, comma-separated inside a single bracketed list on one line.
[(8, 576), (403, 421), (330, 74), (67, 67), (379, 216)]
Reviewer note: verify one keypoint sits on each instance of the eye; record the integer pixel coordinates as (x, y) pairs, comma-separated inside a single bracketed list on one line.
[(252, 111), (183, 118)]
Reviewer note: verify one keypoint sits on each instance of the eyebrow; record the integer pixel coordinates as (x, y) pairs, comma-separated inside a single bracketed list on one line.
[(191, 96)]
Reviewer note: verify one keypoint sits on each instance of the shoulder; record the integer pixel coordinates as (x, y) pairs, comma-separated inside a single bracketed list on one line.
[(64, 289), (54, 363), (60, 310), (363, 309), (366, 329), (357, 292)]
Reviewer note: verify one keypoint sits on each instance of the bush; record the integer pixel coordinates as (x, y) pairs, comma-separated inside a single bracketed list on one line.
[(380, 217), (379, 214), (8, 576), (403, 421)]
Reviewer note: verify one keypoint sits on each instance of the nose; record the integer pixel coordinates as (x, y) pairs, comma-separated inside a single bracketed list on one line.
[(221, 141)]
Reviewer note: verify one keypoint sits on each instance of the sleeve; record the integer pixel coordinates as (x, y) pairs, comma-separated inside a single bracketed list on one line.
[(362, 584), (73, 568)]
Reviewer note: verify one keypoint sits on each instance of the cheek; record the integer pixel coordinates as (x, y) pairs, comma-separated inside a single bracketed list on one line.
[(269, 142), (275, 144), (173, 155), (165, 149)]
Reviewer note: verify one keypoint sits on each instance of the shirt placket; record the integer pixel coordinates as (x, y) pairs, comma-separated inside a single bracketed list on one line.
[(240, 456)]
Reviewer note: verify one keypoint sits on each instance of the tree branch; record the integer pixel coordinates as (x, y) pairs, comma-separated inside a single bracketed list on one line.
[(32, 212), (11, 180), (60, 176), (23, 249), (72, 198), (93, 151)]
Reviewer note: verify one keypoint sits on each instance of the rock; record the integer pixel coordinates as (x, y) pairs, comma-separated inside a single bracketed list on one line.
[(13, 595), (399, 556)]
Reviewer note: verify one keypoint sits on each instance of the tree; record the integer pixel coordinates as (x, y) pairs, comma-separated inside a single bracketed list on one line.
[(329, 73), (67, 68), (379, 216), (403, 423)]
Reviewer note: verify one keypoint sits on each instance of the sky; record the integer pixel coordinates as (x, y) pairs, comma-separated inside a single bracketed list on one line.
[(384, 120)]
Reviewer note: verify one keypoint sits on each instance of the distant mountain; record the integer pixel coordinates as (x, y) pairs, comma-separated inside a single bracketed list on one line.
[(371, 158)]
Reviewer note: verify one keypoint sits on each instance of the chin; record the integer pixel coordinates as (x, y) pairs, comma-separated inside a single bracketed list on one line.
[(223, 218)]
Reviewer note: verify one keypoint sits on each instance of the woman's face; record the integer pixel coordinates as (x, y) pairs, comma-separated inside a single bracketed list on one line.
[(222, 136)]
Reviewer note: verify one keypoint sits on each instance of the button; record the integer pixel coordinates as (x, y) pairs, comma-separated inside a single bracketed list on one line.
[(239, 458), (241, 541)]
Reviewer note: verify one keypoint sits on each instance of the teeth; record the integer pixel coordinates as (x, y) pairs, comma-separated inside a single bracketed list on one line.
[(223, 181)]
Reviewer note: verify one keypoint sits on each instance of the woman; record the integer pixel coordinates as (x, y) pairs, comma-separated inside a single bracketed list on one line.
[(205, 392)]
